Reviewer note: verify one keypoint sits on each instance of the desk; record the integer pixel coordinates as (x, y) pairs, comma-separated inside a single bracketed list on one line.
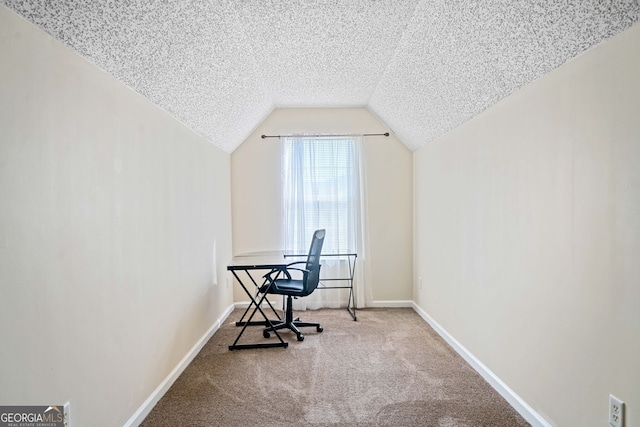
[(250, 263), (277, 260), (351, 259)]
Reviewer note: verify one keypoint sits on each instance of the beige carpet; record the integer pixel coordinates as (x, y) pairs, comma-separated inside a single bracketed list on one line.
[(387, 369)]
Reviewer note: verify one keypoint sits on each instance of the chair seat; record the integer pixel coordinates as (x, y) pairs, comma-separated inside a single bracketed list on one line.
[(291, 287)]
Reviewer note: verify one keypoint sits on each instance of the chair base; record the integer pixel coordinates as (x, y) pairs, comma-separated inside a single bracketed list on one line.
[(290, 323)]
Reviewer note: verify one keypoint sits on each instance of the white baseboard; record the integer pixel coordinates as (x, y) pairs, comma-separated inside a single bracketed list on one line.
[(535, 419), (392, 304), (527, 412), (164, 386), (241, 304), (375, 304)]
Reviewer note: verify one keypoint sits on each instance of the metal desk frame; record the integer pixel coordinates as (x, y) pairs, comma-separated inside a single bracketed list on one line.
[(248, 263), (351, 259)]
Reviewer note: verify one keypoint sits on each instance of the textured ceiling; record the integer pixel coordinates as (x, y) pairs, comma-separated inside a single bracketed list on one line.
[(423, 67)]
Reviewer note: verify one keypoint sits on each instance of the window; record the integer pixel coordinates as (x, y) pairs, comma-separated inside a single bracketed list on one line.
[(321, 189)]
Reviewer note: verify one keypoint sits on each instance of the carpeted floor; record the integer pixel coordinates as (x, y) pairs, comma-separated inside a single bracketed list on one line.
[(387, 369)]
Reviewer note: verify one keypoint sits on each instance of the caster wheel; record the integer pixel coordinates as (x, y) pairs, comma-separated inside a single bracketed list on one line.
[(319, 329), (300, 337), (266, 334)]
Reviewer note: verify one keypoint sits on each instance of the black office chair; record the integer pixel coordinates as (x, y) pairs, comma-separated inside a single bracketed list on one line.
[(293, 288)]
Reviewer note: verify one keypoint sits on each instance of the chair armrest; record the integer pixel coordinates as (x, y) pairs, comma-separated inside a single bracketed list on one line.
[(304, 272), (285, 269), (288, 267), (277, 271)]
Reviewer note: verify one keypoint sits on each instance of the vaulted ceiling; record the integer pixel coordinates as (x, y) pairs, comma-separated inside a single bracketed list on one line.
[(423, 67)]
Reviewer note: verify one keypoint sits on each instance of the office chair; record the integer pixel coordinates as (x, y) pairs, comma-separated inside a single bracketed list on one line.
[(294, 288)]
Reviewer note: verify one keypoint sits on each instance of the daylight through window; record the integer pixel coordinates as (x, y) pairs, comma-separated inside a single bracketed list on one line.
[(321, 189)]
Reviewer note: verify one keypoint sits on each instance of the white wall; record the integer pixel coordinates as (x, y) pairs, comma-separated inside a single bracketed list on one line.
[(109, 210), (527, 224), (256, 189)]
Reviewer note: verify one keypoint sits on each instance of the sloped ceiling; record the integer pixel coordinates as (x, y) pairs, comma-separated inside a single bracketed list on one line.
[(423, 67)]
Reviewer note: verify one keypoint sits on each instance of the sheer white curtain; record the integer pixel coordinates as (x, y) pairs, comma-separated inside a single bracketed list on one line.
[(322, 181)]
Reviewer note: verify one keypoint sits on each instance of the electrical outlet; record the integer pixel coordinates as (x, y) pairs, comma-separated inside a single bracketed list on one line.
[(66, 414), (616, 411)]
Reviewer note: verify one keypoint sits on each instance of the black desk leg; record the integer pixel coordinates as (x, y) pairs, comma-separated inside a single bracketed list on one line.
[(351, 304), (267, 322), (241, 322)]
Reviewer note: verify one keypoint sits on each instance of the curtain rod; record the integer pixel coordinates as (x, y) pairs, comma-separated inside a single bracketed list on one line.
[(322, 135)]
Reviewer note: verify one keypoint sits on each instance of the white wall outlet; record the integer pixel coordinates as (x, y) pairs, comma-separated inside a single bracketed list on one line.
[(66, 414), (616, 411)]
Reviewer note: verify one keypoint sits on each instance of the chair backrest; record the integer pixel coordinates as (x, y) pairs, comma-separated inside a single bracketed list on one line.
[(313, 261)]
